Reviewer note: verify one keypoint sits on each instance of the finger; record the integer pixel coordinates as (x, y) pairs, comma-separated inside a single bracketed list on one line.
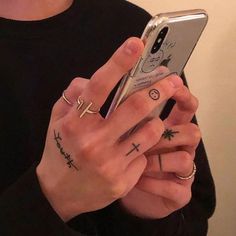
[(140, 104), (180, 136), (105, 78), (71, 94), (140, 141), (133, 171), (184, 109), (179, 194), (180, 163)]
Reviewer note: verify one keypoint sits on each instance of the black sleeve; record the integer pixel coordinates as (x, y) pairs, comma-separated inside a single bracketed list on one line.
[(25, 211)]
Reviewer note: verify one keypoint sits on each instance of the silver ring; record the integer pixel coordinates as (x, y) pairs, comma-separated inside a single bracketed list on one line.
[(80, 103), (66, 99), (189, 176)]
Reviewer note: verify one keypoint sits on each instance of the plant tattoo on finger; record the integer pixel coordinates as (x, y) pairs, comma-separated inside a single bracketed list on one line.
[(135, 148), (58, 138), (169, 134)]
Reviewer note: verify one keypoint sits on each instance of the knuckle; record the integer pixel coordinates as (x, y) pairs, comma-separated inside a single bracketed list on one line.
[(92, 146), (195, 132), (86, 149), (195, 103), (153, 129), (74, 83), (182, 195), (95, 85), (165, 89), (139, 104), (174, 190), (160, 125), (67, 126), (187, 162), (186, 198), (76, 86), (90, 149), (108, 173), (55, 108), (118, 190)]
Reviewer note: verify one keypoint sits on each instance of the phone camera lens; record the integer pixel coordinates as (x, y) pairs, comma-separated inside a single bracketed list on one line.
[(159, 40)]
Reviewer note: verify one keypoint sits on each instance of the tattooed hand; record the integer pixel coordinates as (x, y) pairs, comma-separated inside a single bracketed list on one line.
[(85, 165), (159, 192)]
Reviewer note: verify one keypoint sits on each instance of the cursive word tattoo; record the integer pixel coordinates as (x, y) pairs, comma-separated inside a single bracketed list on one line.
[(169, 134), (135, 148), (58, 138)]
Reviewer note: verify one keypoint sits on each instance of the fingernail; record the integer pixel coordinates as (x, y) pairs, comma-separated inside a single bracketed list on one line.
[(176, 81), (131, 47)]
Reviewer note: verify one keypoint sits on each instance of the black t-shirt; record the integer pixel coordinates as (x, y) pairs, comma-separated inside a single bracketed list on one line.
[(38, 59)]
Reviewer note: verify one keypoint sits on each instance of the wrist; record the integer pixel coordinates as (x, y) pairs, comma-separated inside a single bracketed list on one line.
[(53, 196)]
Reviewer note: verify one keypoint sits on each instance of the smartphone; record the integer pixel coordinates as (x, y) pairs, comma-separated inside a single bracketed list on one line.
[(169, 40)]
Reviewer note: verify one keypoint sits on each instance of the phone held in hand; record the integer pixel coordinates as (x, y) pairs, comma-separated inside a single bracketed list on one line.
[(169, 40)]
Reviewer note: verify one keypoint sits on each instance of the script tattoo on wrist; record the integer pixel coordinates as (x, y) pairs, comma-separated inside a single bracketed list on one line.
[(154, 94), (169, 134), (135, 148), (67, 156)]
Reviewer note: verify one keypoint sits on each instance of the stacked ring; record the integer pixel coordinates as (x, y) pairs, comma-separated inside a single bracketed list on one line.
[(189, 176), (80, 104)]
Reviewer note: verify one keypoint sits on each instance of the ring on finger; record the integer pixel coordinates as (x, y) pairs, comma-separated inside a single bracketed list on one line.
[(189, 176), (66, 99), (85, 107)]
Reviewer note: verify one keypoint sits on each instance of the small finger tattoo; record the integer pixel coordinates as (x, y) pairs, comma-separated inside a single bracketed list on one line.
[(135, 148), (67, 156), (154, 94), (160, 162), (169, 134)]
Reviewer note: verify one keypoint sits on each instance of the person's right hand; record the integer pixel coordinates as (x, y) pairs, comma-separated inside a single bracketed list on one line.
[(85, 166)]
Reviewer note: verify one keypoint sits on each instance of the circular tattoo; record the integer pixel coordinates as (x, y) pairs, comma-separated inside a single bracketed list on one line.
[(154, 94)]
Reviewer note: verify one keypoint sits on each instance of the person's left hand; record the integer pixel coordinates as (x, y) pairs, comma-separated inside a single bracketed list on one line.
[(159, 192)]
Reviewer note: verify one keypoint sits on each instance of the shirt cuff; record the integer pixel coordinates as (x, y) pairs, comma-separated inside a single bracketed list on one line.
[(24, 210), (120, 222)]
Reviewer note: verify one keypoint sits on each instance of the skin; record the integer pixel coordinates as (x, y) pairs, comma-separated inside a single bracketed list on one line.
[(158, 192), (105, 173)]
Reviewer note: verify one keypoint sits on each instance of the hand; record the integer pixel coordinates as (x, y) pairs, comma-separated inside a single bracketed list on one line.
[(85, 166), (159, 192)]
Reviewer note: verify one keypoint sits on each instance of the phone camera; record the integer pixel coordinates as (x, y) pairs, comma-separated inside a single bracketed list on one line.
[(159, 40)]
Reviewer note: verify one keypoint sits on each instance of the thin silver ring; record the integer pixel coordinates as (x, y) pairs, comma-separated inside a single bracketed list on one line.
[(66, 99), (189, 176)]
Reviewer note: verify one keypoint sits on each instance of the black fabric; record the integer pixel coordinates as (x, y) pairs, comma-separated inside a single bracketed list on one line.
[(37, 62)]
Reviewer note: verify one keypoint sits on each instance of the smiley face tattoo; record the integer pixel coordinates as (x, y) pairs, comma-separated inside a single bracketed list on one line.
[(169, 134), (154, 94)]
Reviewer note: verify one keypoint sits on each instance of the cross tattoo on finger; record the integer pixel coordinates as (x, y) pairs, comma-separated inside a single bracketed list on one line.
[(135, 148)]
